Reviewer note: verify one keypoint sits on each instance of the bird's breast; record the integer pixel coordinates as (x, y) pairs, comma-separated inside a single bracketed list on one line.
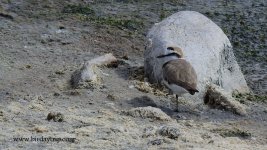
[(175, 88)]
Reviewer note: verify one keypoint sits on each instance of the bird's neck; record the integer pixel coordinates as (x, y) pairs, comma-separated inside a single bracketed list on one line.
[(168, 57)]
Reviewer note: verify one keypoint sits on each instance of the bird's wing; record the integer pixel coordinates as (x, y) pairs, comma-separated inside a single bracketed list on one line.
[(181, 73)]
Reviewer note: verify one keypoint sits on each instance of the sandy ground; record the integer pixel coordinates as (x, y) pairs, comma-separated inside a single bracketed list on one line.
[(43, 42)]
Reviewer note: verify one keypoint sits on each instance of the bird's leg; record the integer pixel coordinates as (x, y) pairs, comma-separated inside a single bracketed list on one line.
[(177, 102)]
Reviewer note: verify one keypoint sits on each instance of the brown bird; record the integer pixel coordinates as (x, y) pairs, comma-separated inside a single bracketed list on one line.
[(178, 74)]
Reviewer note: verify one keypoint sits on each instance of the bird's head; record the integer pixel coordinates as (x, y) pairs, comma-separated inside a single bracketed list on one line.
[(176, 50)]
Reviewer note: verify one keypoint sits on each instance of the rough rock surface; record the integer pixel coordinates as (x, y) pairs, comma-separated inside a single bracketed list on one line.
[(169, 131), (88, 74), (84, 77), (148, 112), (218, 98), (205, 46)]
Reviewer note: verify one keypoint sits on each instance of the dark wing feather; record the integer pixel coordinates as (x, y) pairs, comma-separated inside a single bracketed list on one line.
[(181, 73)]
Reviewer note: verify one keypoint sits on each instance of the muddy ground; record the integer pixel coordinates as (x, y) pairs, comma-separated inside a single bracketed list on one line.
[(43, 42)]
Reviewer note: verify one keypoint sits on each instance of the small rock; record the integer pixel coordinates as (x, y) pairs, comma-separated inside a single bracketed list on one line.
[(205, 136), (61, 27), (148, 112), (56, 94), (112, 97), (184, 139), (156, 142), (235, 132), (188, 124), (6, 15), (253, 138), (28, 66), (50, 116), (149, 132), (36, 106), (114, 64), (57, 117), (131, 86), (180, 117), (74, 93), (125, 56), (211, 141), (118, 129), (59, 72), (170, 132), (40, 129)]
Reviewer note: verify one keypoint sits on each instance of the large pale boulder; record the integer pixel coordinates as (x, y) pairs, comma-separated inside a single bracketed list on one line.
[(205, 46)]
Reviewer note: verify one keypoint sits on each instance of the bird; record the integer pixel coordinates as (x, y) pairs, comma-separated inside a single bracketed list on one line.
[(178, 75)]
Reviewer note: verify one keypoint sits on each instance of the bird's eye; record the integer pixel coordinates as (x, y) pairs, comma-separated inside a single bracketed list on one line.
[(170, 48)]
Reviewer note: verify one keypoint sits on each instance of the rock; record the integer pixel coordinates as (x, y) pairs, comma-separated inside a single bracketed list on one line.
[(204, 45), (6, 15), (73, 93), (125, 56), (40, 129), (57, 117), (85, 77), (149, 132), (235, 132), (148, 112), (156, 142), (218, 98), (112, 97), (88, 76), (169, 131), (56, 94), (131, 86)]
